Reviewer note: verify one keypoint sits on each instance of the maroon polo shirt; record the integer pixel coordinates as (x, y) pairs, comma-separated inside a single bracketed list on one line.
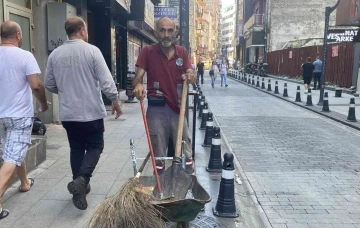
[(163, 74)]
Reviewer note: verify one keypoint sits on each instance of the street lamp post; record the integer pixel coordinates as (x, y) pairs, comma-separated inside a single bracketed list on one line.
[(328, 11)]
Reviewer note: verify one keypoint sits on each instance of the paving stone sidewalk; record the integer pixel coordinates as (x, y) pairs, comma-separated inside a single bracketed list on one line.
[(301, 166), (336, 104), (48, 203)]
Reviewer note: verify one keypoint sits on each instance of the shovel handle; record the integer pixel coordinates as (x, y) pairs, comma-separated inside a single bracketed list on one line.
[(143, 165), (150, 147), (181, 119)]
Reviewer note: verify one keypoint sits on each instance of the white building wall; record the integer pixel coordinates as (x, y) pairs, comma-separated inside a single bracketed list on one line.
[(296, 20)]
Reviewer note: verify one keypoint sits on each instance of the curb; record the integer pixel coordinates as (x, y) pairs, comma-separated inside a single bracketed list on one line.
[(331, 115), (344, 90), (244, 178)]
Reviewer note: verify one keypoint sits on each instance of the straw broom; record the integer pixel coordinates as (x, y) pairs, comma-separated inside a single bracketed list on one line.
[(130, 207)]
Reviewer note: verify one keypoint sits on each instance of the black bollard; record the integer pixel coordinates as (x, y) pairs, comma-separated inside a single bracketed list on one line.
[(285, 94), (199, 98), (249, 80), (351, 115), (309, 98), (215, 164), (276, 88), (257, 82), (253, 81), (225, 205), (269, 85), (204, 116), (201, 107), (325, 107), (298, 95), (209, 132), (263, 84)]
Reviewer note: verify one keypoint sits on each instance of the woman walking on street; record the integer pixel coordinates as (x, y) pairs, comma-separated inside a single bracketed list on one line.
[(223, 72), (308, 69), (214, 71)]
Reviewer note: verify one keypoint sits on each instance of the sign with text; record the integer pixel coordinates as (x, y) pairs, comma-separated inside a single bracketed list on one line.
[(163, 11), (341, 35), (174, 2)]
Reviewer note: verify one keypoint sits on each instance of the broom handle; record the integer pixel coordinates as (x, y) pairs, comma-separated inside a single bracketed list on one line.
[(181, 119), (150, 147)]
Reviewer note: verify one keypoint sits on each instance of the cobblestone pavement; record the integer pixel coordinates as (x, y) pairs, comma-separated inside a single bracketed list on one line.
[(301, 166), (48, 203)]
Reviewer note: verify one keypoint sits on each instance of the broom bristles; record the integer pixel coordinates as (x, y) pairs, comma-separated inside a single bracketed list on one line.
[(130, 207)]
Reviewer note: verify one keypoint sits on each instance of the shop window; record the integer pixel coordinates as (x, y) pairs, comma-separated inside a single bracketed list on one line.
[(23, 3)]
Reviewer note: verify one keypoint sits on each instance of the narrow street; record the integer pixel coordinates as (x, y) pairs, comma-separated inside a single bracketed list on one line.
[(301, 166)]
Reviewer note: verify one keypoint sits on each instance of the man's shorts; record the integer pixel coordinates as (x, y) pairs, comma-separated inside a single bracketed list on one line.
[(16, 138)]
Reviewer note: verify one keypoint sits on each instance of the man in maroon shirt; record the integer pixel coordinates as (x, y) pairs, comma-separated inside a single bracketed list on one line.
[(167, 66)]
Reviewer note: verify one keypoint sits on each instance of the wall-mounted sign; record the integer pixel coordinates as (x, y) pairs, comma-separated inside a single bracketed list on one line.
[(174, 2), (290, 54), (341, 35), (149, 13), (335, 51), (163, 11)]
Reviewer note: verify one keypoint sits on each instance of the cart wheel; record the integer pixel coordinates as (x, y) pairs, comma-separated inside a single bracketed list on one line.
[(183, 225)]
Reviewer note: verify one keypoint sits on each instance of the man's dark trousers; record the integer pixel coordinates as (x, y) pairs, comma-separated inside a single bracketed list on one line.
[(201, 74), (317, 76), (86, 141)]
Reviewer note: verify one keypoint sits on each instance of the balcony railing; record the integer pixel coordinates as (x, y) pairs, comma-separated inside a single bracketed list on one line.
[(256, 20)]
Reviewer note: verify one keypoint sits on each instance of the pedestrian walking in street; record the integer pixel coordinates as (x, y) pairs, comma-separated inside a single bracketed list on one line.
[(200, 71), (317, 72), (214, 71), (77, 72), (223, 72), (308, 69), (167, 65), (19, 76)]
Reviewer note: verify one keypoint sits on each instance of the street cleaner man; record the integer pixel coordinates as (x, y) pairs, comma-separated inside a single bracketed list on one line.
[(167, 66)]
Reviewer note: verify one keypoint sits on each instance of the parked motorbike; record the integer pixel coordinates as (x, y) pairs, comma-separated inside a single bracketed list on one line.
[(263, 69), (250, 68)]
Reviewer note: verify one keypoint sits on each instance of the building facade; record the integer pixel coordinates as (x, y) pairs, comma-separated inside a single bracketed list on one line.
[(116, 29), (228, 30), (299, 21), (277, 24)]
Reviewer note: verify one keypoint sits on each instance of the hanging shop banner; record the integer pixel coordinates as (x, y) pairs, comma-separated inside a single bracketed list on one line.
[(341, 35), (163, 11), (347, 13)]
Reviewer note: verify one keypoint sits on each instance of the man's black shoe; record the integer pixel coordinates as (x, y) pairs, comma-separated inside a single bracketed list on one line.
[(78, 188)]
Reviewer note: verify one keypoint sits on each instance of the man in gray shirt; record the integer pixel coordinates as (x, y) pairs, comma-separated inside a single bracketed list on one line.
[(77, 72), (317, 72)]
